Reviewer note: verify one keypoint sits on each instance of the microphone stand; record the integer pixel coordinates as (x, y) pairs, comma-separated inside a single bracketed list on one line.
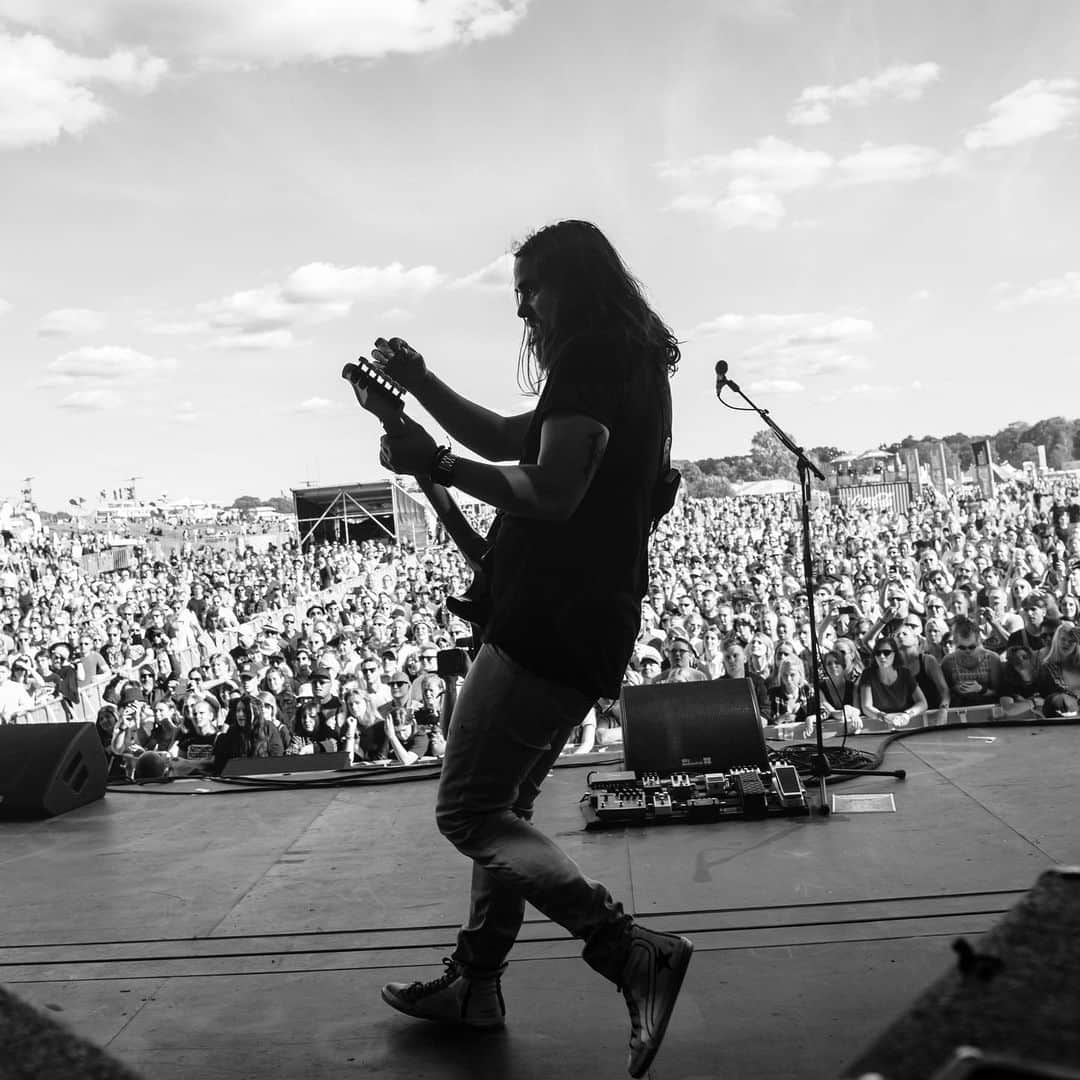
[(820, 769)]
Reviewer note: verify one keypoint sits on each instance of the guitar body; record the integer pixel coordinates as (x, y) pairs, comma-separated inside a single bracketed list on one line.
[(474, 604)]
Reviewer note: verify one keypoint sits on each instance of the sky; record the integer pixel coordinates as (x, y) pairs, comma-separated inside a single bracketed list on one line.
[(867, 209)]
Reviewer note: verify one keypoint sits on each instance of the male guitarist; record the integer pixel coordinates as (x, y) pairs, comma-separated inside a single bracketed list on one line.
[(572, 542)]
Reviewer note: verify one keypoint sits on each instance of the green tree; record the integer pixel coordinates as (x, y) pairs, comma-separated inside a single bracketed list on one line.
[(245, 502), (711, 487), (771, 460), (824, 454)]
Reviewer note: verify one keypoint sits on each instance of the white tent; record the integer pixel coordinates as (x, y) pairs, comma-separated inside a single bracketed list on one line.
[(768, 487)]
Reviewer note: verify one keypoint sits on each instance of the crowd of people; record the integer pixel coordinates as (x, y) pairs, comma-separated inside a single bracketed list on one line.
[(215, 654)]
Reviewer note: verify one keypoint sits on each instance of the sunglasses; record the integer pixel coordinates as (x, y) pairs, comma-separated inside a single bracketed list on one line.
[(967, 648), (884, 652), (400, 683)]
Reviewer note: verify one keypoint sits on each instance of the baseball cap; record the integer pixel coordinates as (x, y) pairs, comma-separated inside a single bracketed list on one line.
[(321, 672)]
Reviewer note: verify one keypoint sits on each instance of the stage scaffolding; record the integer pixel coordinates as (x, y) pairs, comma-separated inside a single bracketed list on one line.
[(347, 512)]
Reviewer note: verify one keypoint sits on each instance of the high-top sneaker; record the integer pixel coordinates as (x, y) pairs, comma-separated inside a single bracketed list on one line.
[(453, 998), (650, 983)]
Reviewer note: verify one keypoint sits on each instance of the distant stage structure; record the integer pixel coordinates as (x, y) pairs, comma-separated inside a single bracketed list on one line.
[(348, 512)]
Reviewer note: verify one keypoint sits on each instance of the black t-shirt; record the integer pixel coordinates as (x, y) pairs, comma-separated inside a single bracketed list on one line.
[(566, 595), (1031, 640)]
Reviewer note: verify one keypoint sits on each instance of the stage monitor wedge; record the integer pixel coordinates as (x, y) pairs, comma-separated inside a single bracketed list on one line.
[(695, 727), (49, 769)]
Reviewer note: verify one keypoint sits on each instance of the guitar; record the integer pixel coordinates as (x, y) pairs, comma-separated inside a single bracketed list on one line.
[(384, 398), (377, 393)]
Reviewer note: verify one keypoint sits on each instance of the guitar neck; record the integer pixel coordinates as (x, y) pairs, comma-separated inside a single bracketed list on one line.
[(377, 393), (471, 544)]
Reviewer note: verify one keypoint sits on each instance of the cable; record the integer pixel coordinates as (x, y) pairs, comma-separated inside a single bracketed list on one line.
[(372, 777), (800, 754)]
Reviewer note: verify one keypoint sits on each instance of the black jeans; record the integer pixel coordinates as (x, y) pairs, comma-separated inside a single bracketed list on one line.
[(507, 730)]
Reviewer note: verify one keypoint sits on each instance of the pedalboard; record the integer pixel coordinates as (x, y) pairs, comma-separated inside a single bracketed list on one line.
[(747, 794)]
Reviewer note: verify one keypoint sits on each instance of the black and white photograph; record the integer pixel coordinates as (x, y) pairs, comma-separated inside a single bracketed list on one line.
[(539, 538)]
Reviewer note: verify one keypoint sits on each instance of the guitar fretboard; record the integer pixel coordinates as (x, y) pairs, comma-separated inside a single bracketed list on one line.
[(368, 372)]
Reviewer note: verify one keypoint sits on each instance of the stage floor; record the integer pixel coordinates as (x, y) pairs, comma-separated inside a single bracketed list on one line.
[(246, 934)]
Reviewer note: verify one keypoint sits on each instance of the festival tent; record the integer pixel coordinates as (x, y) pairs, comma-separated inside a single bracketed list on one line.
[(345, 512), (768, 487)]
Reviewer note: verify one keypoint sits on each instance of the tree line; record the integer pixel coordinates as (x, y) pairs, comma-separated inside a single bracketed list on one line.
[(769, 460)]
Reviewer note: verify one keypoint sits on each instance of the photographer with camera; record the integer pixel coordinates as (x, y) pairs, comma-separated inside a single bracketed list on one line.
[(144, 729)]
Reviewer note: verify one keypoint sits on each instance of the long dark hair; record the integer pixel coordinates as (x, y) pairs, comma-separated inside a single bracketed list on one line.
[(594, 292), (246, 716)]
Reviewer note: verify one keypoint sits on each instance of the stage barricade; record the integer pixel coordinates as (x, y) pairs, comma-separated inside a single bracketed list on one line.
[(91, 699), (974, 715), (49, 712)]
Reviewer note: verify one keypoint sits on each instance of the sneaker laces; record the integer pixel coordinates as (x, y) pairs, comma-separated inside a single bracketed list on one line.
[(422, 989)]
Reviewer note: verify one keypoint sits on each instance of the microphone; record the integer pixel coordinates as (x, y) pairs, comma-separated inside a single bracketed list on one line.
[(721, 376)]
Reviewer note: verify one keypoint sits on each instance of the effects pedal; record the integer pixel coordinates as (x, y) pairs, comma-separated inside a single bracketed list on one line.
[(748, 794)]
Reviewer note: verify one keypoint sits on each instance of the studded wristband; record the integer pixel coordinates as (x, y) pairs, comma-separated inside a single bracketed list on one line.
[(442, 467)]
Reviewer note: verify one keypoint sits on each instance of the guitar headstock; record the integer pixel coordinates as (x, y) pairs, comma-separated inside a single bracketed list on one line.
[(375, 390)]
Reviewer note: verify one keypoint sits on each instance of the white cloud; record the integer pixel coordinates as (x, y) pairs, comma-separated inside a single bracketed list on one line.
[(776, 386), (862, 392), (1056, 290), (845, 328), (771, 164), (749, 209), (732, 322), (46, 91), (921, 295), (397, 314), (1039, 108), (324, 283), (758, 175), (71, 322), (903, 82), (256, 341), (801, 364), (257, 311), (819, 348), (252, 32), (92, 400), (890, 164), (312, 293), (497, 276), (315, 405), (5, 307), (108, 363)]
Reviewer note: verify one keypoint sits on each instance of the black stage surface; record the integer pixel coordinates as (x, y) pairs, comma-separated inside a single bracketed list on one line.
[(246, 934)]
